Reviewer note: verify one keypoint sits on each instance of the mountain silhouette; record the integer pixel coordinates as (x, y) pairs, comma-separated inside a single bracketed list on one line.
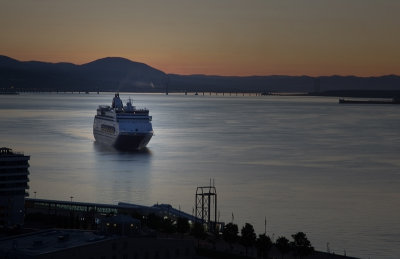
[(124, 74), (106, 74), (120, 74), (8, 62)]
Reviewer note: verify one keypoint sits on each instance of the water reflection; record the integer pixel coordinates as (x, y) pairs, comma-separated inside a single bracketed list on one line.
[(121, 175), (308, 164)]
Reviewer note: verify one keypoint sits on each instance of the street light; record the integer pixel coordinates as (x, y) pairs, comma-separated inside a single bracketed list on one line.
[(35, 194), (71, 198)]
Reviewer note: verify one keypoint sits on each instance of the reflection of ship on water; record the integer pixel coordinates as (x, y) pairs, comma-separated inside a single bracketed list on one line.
[(123, 127)]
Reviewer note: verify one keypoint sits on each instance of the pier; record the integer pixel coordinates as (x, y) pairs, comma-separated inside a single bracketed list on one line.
[(57, 207)]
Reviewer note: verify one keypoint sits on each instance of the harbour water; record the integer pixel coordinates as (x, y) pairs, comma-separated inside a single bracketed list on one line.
[(304, 163)]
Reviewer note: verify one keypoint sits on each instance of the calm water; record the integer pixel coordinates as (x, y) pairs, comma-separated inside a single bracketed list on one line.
[(306, 163)]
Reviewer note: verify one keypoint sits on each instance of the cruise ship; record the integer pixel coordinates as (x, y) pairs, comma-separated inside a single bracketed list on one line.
[(123, 127)]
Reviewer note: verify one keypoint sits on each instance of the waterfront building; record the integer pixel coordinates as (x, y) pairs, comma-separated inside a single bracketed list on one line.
[(85, 209), (13, 185)]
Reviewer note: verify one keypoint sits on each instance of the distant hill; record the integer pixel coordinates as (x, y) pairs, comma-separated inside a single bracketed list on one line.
[(239, 84), (107, 74), (120, 74), (292, 84)]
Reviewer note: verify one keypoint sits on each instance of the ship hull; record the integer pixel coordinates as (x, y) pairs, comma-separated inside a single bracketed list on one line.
[(127, 141)]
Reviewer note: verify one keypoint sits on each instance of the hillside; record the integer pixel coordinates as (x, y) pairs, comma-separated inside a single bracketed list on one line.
[(107, 74), (120, 74)]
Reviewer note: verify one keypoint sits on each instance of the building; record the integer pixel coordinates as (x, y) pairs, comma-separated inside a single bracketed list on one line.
[(13, 185), (93, 211)]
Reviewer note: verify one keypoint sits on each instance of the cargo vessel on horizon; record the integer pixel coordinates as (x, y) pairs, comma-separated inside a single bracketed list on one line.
[(123, 127), (394, 100)]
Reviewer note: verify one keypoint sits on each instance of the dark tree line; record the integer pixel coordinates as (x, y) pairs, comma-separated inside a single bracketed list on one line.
[(300, 246)]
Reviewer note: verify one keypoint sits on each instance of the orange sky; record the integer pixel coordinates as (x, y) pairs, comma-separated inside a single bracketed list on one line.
[(224, 37)]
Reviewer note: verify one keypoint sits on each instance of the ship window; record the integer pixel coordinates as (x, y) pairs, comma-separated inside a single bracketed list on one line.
[(107, 129)]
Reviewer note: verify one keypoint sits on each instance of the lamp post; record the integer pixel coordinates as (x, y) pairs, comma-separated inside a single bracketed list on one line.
[(35, 194), (71, 198)]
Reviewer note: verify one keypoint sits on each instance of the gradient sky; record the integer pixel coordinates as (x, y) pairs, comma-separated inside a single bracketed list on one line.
[(223, 37)]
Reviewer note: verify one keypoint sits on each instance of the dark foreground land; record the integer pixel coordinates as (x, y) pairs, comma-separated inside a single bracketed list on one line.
[(70, 242), (73, 229)]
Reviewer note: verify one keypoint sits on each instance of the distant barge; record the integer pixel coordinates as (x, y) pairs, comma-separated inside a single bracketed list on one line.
[(389, 101)]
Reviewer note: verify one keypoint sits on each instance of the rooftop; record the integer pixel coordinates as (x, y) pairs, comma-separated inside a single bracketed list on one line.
[(4, 151)]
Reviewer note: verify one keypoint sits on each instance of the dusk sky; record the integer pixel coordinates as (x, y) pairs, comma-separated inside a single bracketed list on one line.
[(219, 37)]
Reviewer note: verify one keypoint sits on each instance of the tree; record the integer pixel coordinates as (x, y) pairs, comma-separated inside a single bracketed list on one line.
[(182, 225), (153, 221), (263, 245), (301, 245), (198, 231), (230, 233), (168, 226), (248, 237), (282, 244)]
